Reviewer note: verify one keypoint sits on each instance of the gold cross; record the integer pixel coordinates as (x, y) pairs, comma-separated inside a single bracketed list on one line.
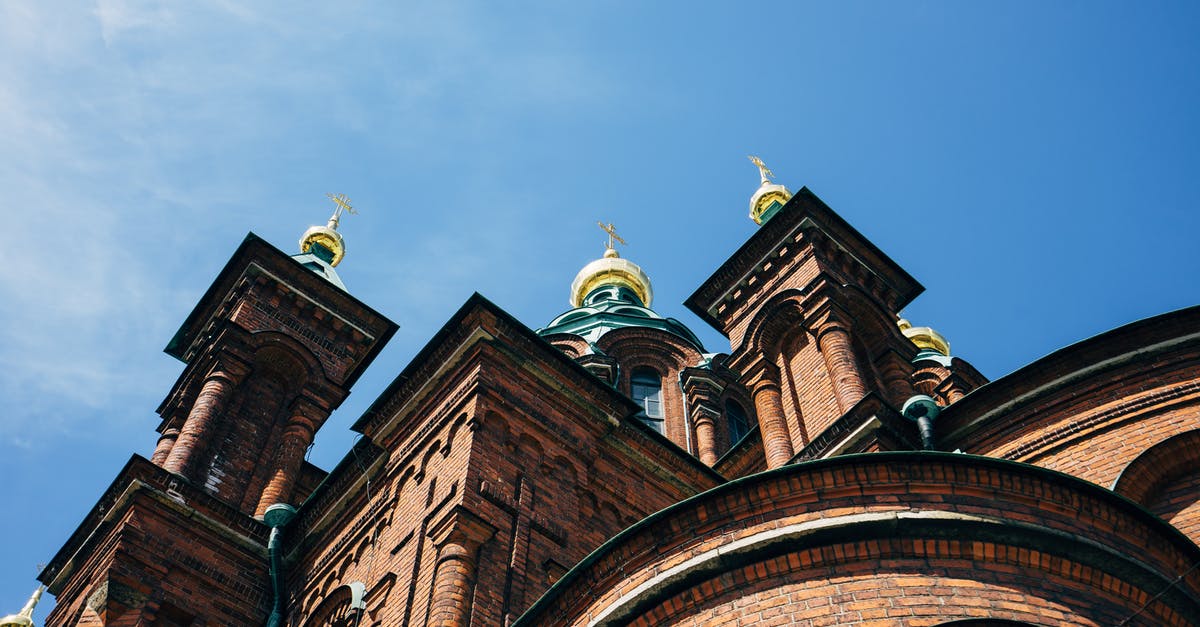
[(762, 168), (612, 233), (343, 204)]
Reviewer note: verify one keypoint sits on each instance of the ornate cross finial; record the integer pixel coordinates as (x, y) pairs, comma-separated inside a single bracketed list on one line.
[(612, 234), (343, 204), (762, 169)]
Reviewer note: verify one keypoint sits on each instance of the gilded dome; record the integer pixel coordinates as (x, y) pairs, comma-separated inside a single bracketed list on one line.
[(324, 241), (769, 197), (611, 270), (925, 338), (325, 237)]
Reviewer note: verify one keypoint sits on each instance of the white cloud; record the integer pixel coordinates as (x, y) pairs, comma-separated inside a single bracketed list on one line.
[(136, 131)]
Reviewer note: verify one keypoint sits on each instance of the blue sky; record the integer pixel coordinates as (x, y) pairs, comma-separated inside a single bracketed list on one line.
[(1033, 164)]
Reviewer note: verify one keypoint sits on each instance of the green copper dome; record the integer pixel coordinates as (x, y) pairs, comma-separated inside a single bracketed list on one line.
[(611, 307)]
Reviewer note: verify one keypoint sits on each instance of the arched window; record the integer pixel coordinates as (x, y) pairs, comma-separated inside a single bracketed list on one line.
[(739, 424), (645, 386)]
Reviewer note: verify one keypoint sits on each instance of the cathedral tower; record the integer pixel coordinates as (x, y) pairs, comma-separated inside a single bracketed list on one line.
[(270, 350), (810, 307)]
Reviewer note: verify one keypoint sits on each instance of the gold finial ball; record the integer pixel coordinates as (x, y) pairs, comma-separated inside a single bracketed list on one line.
[(328, 238), (770, 197)]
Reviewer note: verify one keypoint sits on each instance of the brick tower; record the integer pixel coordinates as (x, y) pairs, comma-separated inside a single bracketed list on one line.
[(811, 310), (270, 350)]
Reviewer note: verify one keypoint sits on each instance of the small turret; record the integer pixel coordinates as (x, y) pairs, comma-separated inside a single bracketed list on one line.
[(322, 247), (925, 338), (611, 271), (769, 198)]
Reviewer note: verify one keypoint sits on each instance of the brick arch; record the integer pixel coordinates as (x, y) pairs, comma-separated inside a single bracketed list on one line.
[(571, 345), (1162, 462), (283, 356), (633, 346), (775, 323), (663, 352), (984, 622), (336, 610), (1165, 479)]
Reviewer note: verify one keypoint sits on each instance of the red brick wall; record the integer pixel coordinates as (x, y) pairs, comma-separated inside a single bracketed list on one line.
[(510, 435), (1178, 502), (165, 548), (1092, 428), (923, 538)]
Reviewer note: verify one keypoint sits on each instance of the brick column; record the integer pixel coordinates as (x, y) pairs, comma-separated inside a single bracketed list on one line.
[(833, 337), (896, 378), (290, 455), (196, 431), (457, 537), (165, 442), (702, 396), (768, 404), (706, 434)]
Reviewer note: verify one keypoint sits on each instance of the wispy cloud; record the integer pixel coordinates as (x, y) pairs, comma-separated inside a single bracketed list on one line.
[(139, 133)]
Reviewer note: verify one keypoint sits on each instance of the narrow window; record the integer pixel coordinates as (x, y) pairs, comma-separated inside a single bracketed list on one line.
[(739, 425), (646, 388)]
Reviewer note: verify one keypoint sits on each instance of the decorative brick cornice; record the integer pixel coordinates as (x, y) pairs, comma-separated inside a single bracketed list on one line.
[(175, 492)]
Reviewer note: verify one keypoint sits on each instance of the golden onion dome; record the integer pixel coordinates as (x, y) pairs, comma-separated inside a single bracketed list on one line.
[(769, 197), (611, 270), (327, 237), (925, 338), (25, 617)]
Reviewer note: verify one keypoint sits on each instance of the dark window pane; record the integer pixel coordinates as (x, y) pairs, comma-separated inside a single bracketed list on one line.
[(739, 425)]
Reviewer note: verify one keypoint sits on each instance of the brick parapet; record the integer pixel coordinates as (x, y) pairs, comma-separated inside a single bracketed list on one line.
[(973, 523)]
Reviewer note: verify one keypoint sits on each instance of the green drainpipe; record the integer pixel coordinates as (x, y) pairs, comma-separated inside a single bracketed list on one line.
[(277, 517)]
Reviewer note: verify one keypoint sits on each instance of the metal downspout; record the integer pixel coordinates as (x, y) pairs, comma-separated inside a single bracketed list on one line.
[(922, 410), (687, 418), (277, 517)]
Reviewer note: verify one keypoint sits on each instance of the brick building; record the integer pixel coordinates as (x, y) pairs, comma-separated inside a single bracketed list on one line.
[(608, 470)]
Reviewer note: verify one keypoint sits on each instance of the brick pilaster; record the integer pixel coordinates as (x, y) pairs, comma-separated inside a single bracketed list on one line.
[(457, 537)]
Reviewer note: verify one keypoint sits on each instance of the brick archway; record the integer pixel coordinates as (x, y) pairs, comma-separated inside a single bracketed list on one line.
[(1163, 479)]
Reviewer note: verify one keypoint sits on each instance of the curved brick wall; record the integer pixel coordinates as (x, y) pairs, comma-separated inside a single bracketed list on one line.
[(888, 538), (1091, 408)]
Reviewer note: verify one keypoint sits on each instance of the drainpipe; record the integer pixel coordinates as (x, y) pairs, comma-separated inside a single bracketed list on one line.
[(687, 418), (277, 517), (922, 410)]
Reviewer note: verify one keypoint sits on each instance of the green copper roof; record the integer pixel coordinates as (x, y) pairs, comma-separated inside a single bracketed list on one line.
[(610, 307), (318, 260)]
